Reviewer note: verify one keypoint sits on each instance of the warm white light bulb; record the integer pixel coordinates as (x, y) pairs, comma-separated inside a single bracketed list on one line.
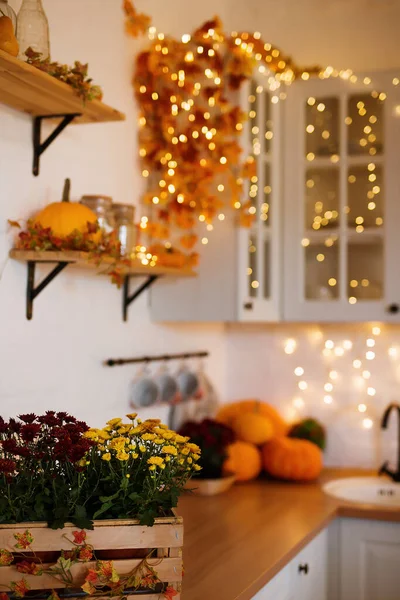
[(302, 385), (366, 374), (362, 408), (290, 346), (329, 344), (328, 387), (338, 351), (370, 355), (298, 403), (371, 391), (299, 371), (328, 399), (392, 352), (370, 343), (347, 344), (357, 364), (376, 330), (333, 375), (367, 423)]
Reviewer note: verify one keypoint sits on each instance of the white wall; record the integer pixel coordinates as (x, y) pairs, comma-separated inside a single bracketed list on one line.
[(55, 361)]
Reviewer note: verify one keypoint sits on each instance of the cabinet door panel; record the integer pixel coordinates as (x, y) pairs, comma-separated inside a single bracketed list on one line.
[(309, 570), (341, 208), (370, 559), (279, 588)]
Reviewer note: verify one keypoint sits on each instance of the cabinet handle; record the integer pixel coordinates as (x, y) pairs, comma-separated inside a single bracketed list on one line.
[(393, 308), (304, 568), (248, 306)]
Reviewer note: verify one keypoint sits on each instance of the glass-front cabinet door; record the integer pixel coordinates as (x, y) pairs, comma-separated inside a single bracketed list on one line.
[(259, 247), (342, 201)]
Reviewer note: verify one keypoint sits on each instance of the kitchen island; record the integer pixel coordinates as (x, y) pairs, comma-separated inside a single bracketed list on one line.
[(237, 542)]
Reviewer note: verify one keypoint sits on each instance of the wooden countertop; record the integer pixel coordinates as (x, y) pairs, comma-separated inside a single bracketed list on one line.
[(236, 542)]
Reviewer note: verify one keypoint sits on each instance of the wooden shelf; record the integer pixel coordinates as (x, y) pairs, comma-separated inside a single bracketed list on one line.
[(33, 92), (83, 261)]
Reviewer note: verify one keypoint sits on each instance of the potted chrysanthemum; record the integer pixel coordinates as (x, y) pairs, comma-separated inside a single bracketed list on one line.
[(91, 509)]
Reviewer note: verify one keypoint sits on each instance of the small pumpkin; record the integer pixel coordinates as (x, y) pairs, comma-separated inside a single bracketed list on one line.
[(64, 217), (244, 461), (253, 428), (228, 413), (292, 459), (8, 41), (311, 430)]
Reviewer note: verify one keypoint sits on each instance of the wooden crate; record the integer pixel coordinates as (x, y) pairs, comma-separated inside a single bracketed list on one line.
[(124, 542)]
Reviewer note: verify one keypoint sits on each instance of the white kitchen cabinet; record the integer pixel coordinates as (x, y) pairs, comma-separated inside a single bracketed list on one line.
[(239, 277), (305, 577), (341, 214), (369, 554), (325, 240)]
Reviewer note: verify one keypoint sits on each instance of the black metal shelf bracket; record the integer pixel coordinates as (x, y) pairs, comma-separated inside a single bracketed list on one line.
[(38, 146), (128, 299), (32, 291)]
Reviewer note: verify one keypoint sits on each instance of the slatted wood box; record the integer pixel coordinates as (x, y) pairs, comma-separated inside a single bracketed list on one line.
[(124, 542)]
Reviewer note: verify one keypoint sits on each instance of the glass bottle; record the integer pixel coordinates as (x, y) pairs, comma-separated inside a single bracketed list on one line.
[(7, 11), (102, 206), (33, 29), (124, 215)]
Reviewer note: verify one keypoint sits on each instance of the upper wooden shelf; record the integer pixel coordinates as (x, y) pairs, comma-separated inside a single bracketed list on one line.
[(83, 260), (31, 91)]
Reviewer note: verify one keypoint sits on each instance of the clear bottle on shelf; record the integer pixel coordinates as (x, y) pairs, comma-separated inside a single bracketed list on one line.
[(33, 29)]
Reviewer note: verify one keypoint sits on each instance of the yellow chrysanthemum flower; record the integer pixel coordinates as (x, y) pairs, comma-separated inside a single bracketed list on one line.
[(152, 468), (196, 456), (122, 456), (180, 439), (104, 435), (132, 416), (106, 456), (118, 442), (132, 446), (197, 467), (193, 447), (156, 460), (147, 437), (114, 422), (190, 460), (92, 434), (159, 441), (168, 435), (135, 455), (167, 459), (181, 461), (170, 450), (124, 429), (142, 448), (135, 430), (185, 451)]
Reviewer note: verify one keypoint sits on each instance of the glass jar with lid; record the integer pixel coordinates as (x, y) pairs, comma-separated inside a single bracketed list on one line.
[(124, 215), (102, 207)]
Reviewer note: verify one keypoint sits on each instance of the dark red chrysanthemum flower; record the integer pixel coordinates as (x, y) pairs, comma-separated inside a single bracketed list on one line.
[(10, 446), (7, 466), (30, 431), (28, 418), (14, 425), (50, 418), (3, 425)]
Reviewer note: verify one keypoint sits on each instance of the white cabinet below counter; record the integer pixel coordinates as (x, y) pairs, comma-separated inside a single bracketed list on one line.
[(369, 558), (304, 578)]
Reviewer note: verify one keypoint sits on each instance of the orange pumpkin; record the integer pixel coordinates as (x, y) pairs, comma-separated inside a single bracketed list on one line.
[(244, 461), (65, 216), (292, 459), (253, 428), (229, 413), (8, 41)]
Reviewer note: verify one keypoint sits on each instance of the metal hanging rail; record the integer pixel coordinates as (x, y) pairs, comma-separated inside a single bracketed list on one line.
[(112, 362)]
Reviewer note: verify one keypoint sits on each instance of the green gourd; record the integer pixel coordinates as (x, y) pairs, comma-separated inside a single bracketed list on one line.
[(311, 430)]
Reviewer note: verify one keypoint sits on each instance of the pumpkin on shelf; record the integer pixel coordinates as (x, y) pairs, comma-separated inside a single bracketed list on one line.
[(227, 414), (8, 41), (65, 217), (253, 428), (244, 461), (292, 459)]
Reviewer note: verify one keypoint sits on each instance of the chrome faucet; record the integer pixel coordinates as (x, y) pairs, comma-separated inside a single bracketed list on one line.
[(384, 469)]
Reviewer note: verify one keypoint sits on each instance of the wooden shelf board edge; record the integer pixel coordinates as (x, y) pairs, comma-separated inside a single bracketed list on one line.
[(81, 259), (24, 84)]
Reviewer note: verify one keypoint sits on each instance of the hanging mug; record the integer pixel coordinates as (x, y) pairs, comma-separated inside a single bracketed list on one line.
[(144, 390)]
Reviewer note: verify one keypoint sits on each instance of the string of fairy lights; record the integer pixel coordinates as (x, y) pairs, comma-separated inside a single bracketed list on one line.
[(307, 389)]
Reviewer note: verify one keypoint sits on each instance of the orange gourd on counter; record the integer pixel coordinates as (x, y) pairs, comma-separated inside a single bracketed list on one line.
[(228, 414), (292, 459), (244, 461), (253, 428), (65, 217)]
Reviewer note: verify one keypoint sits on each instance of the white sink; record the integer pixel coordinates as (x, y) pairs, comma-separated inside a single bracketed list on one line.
[(370, 490)]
